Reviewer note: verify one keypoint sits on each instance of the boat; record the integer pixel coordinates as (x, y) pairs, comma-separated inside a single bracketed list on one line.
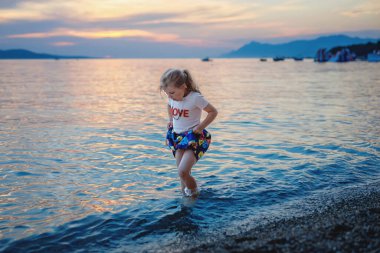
[(298, 58), (322, 55), (343, 55), (206, 59), (374, 57), (278, 59), (263, 59)]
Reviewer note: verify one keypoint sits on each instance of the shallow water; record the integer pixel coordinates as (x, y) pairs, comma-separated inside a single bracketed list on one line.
[(83, 166)]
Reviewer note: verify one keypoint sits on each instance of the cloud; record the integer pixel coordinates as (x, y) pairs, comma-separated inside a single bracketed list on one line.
[(63, 44), (290, 5), (97, 34), (210, 23), (109, 34), (79, 10), (202, 23), (161, 21), (363, 9), (28, 10), (8, 16), (148, 11)]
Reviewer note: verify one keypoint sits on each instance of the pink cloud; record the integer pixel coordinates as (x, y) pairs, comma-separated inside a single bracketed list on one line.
[(63, 44)]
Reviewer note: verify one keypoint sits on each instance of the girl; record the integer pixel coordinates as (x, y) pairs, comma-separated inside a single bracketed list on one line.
[(186, 136)]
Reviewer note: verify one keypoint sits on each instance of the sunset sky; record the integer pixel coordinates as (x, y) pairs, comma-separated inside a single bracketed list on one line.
[(154, 28)]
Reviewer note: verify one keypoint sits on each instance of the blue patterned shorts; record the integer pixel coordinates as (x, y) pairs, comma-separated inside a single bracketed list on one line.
[(198, 143)]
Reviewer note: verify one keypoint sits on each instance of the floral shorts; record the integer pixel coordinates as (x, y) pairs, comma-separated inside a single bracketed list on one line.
[(198, 143)]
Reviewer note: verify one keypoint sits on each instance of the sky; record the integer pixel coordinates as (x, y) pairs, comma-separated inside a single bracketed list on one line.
[(176, 28)]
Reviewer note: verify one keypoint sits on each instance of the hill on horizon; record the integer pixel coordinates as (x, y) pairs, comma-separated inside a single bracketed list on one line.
[(297, 48), (26, 54)]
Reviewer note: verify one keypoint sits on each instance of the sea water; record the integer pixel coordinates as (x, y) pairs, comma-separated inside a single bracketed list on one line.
[(83, 166)]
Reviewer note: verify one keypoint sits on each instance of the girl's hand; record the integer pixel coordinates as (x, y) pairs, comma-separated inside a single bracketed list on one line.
[(170, 124), (197, 130)]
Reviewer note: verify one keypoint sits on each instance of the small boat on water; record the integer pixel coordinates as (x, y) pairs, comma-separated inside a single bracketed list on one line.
[(374, 57), (278, 59), (322, 55), (206, 59), (298, 58), (343, 55)]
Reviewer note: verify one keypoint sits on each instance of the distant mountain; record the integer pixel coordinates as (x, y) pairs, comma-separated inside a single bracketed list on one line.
[(298, 48), (25, 54)]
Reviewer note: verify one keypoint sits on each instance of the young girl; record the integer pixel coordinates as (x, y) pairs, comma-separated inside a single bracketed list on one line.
[(186, 136)]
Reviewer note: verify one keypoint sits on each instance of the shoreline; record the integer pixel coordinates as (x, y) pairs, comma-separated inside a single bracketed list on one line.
[(349, 221)]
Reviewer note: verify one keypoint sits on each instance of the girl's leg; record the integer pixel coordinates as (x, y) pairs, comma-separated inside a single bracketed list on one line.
[(187, 161), (178, 158)]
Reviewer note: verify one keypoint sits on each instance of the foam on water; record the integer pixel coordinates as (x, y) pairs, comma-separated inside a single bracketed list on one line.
[(83, 166)]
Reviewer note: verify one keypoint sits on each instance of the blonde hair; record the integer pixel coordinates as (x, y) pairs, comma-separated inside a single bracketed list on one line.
[(178, 77)]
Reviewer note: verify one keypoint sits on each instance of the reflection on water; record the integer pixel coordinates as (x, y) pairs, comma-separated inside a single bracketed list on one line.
[(82, 155)]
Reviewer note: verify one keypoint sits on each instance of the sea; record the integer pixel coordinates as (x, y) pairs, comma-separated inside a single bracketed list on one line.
[(84, 166)]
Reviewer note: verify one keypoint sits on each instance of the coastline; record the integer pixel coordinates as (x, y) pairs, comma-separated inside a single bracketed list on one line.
[(348, 222)]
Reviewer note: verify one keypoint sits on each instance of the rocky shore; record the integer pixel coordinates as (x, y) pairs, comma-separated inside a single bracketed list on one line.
[(349, 221)]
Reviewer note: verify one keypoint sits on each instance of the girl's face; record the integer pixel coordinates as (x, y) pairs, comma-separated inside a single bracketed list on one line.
[(174, 92)]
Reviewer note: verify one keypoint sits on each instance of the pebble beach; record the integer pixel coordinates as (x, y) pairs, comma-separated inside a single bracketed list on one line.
[(350, 222)]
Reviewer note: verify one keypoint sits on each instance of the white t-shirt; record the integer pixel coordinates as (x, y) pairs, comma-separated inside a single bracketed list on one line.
[(187, 113)]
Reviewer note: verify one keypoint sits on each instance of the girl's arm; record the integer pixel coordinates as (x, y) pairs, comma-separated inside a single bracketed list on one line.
[(170, 123), (211, 115)]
